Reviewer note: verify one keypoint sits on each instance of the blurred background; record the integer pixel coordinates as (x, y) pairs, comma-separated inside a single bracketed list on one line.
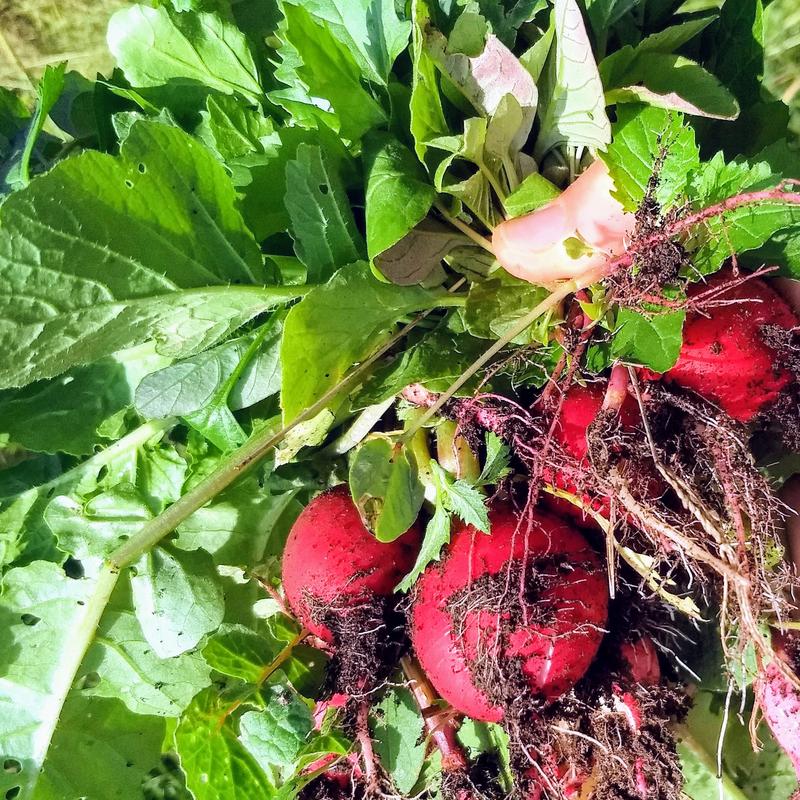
[(34, 33)]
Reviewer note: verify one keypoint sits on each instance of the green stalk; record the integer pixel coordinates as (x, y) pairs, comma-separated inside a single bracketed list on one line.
[(550, 302), (243, 459)]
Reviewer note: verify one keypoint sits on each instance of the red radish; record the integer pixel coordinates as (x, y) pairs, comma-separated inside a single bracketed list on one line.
[(541, 247), (579, 408), (725, 357), (779, 700), (554, 598), (640, 659), (331, 561)]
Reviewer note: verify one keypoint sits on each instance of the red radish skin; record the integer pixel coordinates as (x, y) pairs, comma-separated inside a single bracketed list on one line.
[(579, 408), (724, 357), (332, 559), (554, 657), (534, 247), (640, 659)]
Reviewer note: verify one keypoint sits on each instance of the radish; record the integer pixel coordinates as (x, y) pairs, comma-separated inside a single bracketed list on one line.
[(521, 609), (640, 659), (332, 564), (779, 698), (579, 409), (575, 233), (725, 356)]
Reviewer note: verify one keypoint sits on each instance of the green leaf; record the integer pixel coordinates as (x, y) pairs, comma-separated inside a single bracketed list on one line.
[(234, 130), (763, 775), (240, 652), (89, 397), (652, 341), (40, 610), (96, 526), (189, 385), (435, 361), (496, 305), (397, 729), (329, 70), (747, 227), (178, 599), (462, 499), (385, 487), (497, 463), (603, 14), (100, 751), (572, 105), (427, 116), (370, 29), (398, 194), (437, 535), (641, 135), (237, 526), (146, 249), (674, 82), (121, 664), (336, 325), (276, 735), (322, 223), (216, 763), (534, 192), (158, 46)]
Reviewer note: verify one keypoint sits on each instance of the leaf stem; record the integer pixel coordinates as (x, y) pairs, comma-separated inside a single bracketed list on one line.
[(481, 241), (243, 459)]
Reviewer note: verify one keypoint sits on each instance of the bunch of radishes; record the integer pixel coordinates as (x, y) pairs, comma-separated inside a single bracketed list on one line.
[(508, 626)]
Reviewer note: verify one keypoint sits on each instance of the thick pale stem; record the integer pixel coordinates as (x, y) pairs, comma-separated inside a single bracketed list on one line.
[(728, 789), (439, 725)]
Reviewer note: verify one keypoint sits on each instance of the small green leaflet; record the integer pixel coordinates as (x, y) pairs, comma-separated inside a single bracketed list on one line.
[(461, 498), (241, 652), (154, 46), (534, 192), (337, 325), (437, 535), (48, 91), (275, 736), (652, 341), (496, 466), (385, 487), (457, 497)]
